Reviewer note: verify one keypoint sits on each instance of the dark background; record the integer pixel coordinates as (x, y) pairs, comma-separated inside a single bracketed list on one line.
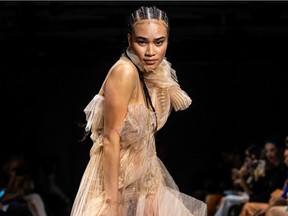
[(230, 57)]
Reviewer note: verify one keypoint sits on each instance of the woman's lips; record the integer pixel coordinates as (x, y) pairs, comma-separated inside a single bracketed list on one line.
[(150, 61)]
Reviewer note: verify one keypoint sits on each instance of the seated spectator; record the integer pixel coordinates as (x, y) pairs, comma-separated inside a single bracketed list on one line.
[(19, 199), (273, 178), (278, 198), (242, 179)]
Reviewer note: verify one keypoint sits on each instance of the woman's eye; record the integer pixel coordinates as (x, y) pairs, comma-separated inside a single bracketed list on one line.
[(159, 43), (141, 42)]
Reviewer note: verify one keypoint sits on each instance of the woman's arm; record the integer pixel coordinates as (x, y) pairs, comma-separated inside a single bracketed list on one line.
[(118, 91)]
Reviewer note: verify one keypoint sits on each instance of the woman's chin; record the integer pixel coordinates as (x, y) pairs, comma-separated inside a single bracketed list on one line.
[(151, 67)]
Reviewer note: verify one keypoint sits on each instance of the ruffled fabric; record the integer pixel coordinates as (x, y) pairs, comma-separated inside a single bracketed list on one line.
[(95, 106), (145, 186), (164, 89)]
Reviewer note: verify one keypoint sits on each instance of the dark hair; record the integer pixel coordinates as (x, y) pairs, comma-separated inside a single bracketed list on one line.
[(142, 13), (146, 92), (276, 140), (146, 12), (255, 150)]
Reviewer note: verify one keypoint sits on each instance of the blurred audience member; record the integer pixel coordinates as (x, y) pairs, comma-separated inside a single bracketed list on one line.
[(267, 177), (18, 195), (242, 179), (278, 197)]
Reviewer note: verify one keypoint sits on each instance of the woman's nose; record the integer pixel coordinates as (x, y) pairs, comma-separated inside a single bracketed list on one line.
[(150, 50)]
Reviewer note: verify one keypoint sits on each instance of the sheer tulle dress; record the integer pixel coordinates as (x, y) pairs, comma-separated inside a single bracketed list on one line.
[(145, 186)]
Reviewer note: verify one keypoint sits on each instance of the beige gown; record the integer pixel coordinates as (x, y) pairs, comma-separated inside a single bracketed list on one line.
[(146, 187)]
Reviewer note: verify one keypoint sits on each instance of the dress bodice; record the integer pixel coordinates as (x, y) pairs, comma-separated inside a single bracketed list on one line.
[(139, 121), (164, 91)]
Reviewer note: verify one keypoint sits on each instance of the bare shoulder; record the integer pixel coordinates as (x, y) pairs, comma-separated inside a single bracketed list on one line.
[(123, 71), (123, 78)]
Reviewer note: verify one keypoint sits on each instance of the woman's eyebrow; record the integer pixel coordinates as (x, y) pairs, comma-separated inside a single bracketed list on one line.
[(144, 38)]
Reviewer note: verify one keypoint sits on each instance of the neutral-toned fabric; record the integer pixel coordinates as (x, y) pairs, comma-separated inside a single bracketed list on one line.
[(278, 211), (145, 186), (253, 208), (35, 204), (228, 201)]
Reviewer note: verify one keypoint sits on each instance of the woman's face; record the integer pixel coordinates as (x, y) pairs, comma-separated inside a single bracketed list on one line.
[(149, 41), (286, 157), (271, 152)]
